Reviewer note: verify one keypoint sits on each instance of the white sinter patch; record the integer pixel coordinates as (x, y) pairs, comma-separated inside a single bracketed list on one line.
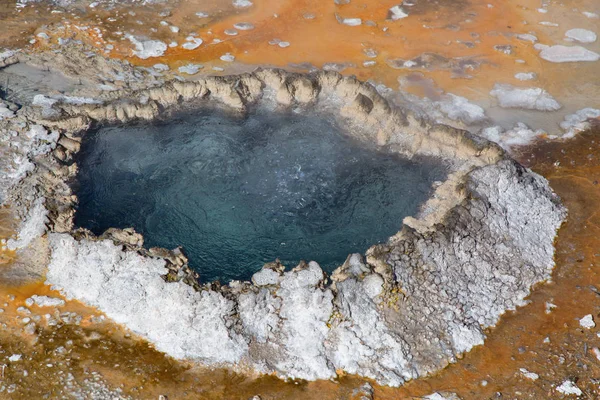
[(131, 291), (527, 98), (351, 21), (147, 48), (526, 76), (579, 121), (519, 135), (161, 67), (559, 54), (460, 109), (243, 26), (44, 301), (581, 35), (527, 37), (34, 226), (590, 14), (192, 43), (242, 3), (190, 69)]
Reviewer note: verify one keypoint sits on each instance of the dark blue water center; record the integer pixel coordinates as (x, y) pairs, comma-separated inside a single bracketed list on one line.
[(239, 192)]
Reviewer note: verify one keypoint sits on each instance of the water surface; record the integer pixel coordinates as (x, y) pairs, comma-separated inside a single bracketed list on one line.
[(239, 192)]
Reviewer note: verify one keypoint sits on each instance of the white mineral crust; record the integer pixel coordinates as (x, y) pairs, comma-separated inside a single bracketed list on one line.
[(528, 98), (559, 54), (291, 324)]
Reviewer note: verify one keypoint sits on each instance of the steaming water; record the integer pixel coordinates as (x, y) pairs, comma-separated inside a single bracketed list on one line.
[(237, 193)]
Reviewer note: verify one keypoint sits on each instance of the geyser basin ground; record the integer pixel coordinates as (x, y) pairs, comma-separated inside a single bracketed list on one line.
[(238, 192), (404, 309)]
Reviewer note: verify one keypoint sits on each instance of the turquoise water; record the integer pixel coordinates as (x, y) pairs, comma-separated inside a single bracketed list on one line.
[(239, 192)]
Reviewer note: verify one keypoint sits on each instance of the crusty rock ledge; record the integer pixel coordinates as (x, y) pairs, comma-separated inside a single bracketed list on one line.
[(405, 309)]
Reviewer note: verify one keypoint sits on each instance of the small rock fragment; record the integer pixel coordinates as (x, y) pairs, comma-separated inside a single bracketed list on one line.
[(568, 387), (596, 352), (587, 322), (371, 53), (526, 76), (529, 375), (549, 307), (352, 21), (442, 396), (30, 328), (243, 26), (23, 310), (396, 13), (504, 48), (242, 3)]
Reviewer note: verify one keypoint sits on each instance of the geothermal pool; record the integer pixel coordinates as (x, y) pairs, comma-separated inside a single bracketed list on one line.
[(238, 192)]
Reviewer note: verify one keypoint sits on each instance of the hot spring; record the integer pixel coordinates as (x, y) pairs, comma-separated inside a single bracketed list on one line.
[(237, 192)]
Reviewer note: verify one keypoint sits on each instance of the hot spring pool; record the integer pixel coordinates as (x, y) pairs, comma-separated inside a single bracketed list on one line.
[(239, 192)]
